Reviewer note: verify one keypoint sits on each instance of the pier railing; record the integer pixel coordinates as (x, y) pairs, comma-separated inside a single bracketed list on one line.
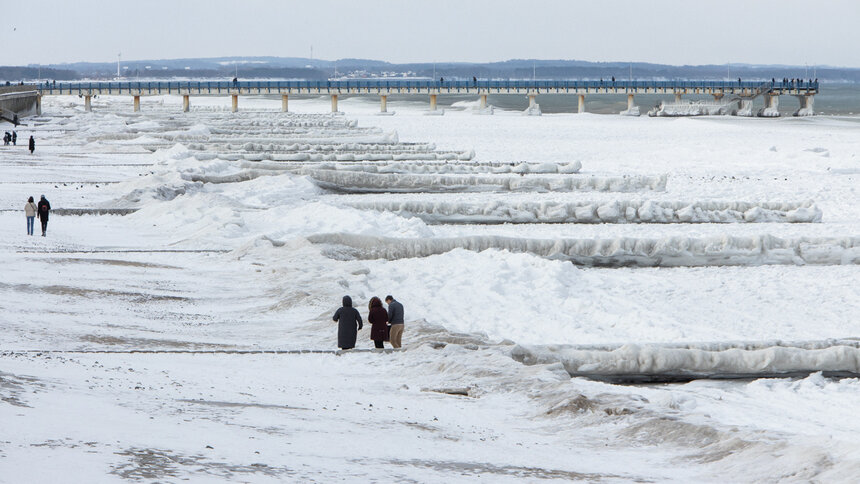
[(418, 86)]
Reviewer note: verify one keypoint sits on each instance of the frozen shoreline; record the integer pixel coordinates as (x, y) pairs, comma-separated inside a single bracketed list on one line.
[(229, 267)]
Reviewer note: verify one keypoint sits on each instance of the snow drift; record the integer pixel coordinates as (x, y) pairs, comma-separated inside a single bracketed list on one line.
[(357, 182), (621, 211), (617, 252), (647, 363)]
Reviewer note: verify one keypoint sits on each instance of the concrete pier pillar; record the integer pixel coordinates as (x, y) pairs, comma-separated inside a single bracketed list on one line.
[(383, 103), (630, 102), (770, 100), (136, 103), (334, 103), (432, 102), (718, 97), (532, 100), (235, 106), (806, 105), (186, 103), (581, 105), (771, 106), (677, 97), (284, 101), (483, 104), (745, 107), (88, 103)]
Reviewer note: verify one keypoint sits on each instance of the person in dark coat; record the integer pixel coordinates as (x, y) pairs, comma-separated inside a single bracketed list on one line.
[(14, 138), (378, 318), (44, 209), (395, 317), (348, 324), (32, 144)]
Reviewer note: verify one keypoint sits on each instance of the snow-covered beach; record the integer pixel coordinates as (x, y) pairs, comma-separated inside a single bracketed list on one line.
[(192, 337)]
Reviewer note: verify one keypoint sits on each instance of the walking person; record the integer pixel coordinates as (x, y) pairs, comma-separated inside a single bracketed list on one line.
[(30, 210), (32, 144), (395, 319), (14, 138), (348, 324), (378, 318), (43, 210)]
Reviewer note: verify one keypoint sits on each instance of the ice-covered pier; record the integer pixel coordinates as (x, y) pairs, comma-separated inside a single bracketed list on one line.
[(742, 92)]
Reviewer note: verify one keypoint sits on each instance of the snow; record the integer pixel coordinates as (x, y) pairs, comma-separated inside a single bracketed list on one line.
[(192, 338), (357, 182), (618, 252), (622, 211), (760, 359)]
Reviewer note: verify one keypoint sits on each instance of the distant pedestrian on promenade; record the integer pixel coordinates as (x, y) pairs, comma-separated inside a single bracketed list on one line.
[(395, 319), (6, 138), (348, 324), (474, 80), (44, 210), (378, 318), (32, 144), (14, 138), (30, 210)]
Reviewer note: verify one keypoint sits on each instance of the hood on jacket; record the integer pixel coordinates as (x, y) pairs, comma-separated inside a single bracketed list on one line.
[(347, 301)]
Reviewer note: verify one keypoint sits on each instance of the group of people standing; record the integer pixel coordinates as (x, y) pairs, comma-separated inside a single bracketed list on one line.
[(386, 325), (42, 210), (13, 138)]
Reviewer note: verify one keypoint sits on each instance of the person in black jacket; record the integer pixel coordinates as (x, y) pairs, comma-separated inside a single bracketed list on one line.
[(349, 324), (32, 144), (44, 209), (378, 318)]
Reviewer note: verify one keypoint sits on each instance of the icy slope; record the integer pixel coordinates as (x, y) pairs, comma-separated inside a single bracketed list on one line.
[(621, 211), (669, 252)]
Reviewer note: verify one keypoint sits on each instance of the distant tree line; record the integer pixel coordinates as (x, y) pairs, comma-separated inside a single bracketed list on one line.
[(20, 73)]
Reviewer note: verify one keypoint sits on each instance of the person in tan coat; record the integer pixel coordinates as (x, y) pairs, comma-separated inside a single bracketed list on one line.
[(30, 212)]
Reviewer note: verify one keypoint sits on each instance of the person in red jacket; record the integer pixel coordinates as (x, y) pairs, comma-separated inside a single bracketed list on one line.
[(378, 318)]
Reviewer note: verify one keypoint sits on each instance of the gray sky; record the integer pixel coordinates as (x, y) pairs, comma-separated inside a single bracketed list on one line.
[(817, 32)]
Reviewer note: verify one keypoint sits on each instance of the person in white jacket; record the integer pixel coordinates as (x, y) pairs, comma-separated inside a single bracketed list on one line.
[(30, 212)]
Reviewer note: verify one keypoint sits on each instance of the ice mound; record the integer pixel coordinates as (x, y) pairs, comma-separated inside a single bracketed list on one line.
[(532, 110), (225, 220), (357, 182), (768, 112), (691, 108), (423, 168), (633, 362), (621, 211), (617, 252), (503, 295)]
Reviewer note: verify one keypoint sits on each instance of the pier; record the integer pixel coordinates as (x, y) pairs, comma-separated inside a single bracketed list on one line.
[(742, 92)]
